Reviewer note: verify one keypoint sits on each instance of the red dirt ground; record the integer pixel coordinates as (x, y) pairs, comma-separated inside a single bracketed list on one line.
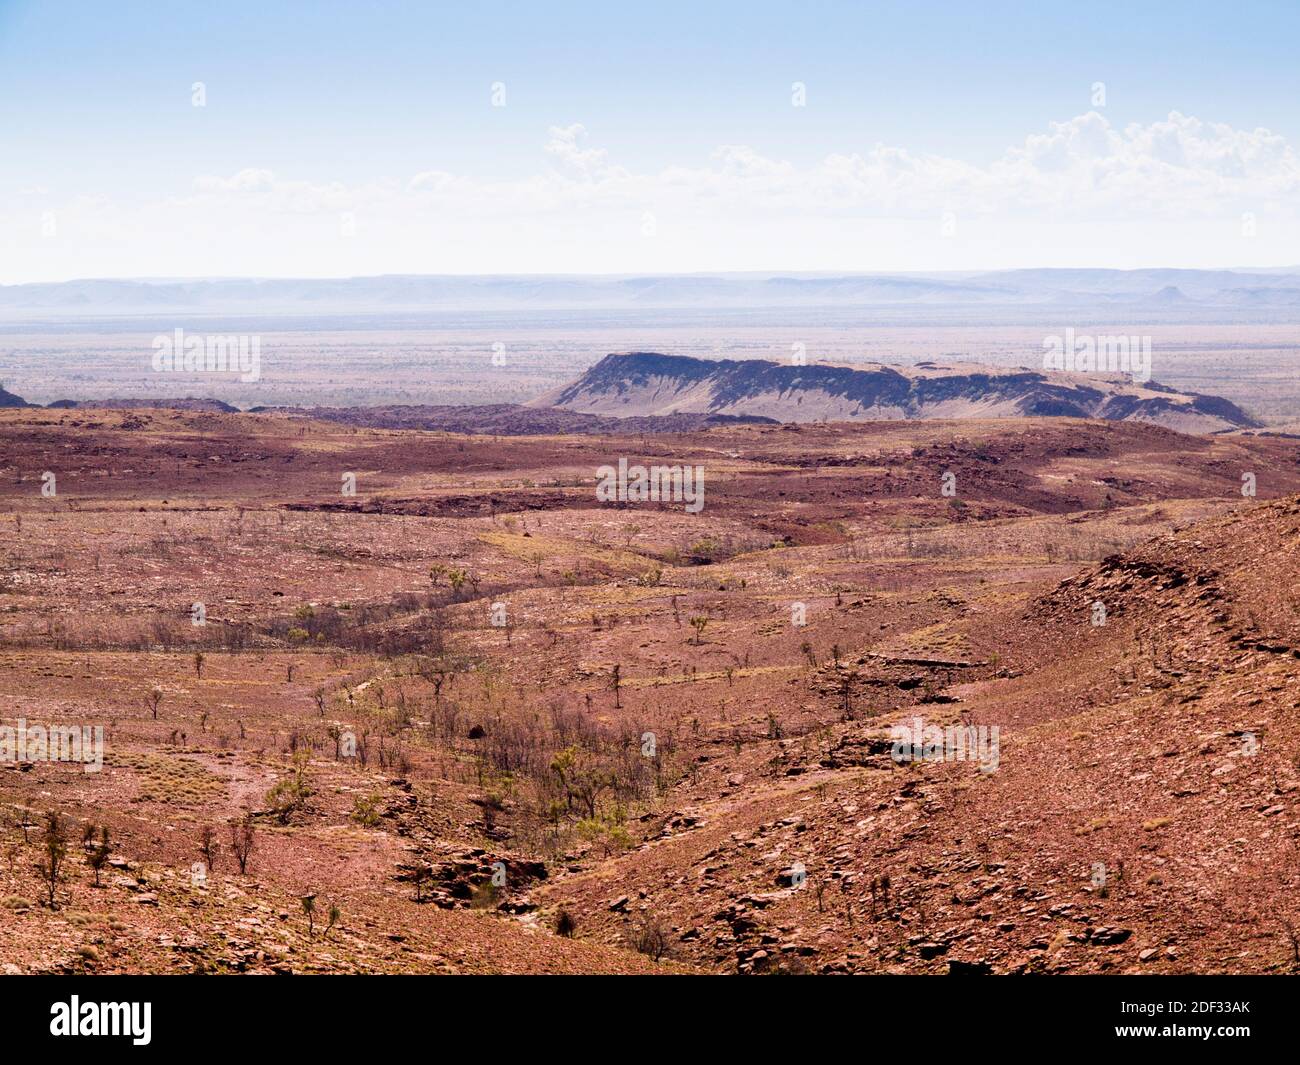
[(1141, 817)]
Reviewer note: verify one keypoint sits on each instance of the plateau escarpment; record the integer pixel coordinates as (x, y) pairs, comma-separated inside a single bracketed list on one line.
[(646, 384)]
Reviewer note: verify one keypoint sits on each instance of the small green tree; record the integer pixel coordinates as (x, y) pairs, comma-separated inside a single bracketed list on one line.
[(98, 856), (699, 623), (54, 849), (456, 578)]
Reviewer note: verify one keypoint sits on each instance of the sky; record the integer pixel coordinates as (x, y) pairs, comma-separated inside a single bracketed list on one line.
[(338, 139)]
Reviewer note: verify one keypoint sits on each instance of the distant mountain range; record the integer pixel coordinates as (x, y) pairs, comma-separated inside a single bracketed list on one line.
[(1044, 288), (646, 384)]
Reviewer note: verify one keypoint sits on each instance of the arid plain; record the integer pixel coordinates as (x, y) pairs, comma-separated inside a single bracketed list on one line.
[(513, 356), (470, 719)]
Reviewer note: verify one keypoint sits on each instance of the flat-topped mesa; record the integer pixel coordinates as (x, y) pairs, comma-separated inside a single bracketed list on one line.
[(642, 384), (188, 403)]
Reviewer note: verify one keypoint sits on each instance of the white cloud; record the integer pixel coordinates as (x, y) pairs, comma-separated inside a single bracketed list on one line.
[(565, 145), (1177, 166), (1081, 193)]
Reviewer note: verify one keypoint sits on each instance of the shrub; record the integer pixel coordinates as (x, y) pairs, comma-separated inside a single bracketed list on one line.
[(365, 810), (606, 832), (651, 937), (289, 795), (708, 548), (484, 896)]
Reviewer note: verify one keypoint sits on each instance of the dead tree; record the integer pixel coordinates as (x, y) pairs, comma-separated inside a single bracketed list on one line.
[(242, 842), (208, 847)]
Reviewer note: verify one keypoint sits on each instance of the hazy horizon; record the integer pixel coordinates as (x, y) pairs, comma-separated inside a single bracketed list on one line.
[(160, 279)]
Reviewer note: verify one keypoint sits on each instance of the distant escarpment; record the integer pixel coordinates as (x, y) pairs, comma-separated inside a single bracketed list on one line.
[(646, 384)]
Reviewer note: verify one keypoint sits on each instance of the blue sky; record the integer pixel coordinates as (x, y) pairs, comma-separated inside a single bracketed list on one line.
[(335, 108)]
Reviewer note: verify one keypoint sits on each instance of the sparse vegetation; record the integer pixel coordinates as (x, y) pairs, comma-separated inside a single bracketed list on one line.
[(654, 740), (54, 849)]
